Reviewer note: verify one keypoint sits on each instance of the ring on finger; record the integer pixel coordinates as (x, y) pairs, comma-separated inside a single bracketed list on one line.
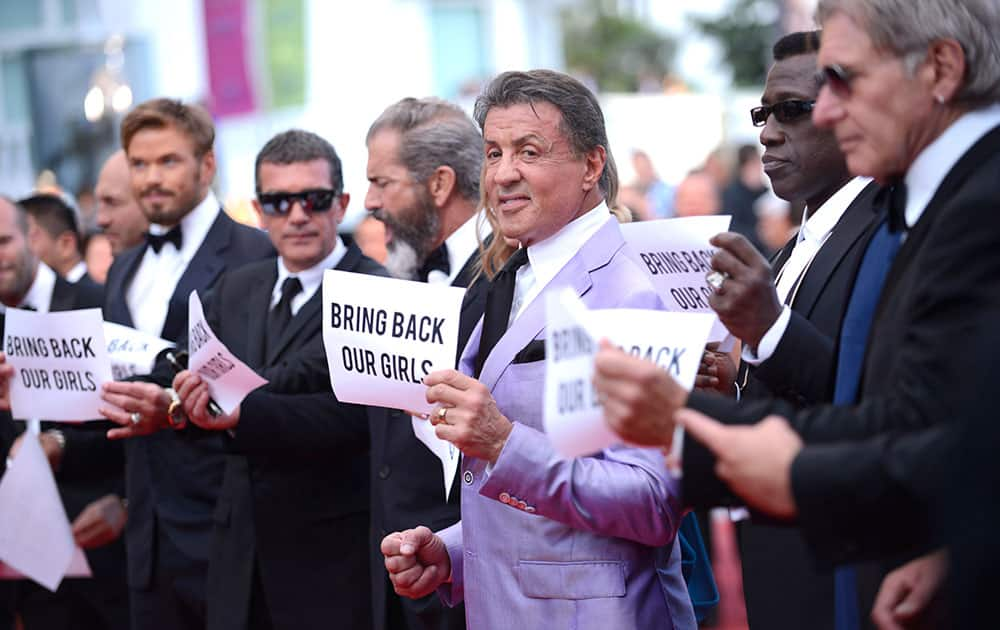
[(135, 417), (715, 278), (441, 415)]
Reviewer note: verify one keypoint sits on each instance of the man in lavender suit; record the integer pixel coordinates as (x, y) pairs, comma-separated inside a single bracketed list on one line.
[(568, 543)]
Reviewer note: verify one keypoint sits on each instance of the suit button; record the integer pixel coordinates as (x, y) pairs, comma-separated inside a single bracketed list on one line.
[(521, 505), (468, 477), (530, 510), (384, 472), (504, 497)]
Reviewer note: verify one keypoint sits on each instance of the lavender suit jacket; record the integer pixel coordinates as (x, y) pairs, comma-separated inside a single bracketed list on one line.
[(565, 543)]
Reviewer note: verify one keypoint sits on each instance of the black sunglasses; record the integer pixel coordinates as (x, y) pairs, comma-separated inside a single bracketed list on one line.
[(278, 203), (785, 111), (837, 77)]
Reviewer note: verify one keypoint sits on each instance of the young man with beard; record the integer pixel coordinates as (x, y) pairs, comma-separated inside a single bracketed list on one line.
[(172, 477), (424, 162)]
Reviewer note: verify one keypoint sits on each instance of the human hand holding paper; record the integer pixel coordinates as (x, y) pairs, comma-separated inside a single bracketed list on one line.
[(196, 398)]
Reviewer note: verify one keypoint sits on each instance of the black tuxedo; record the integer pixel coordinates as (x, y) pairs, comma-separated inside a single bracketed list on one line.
[(783, 589), (939, 300), (407, 490), (91, 467), (292, 516), (173, 477)]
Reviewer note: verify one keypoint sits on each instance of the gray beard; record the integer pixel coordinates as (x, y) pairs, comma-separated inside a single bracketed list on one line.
[(402, 260)]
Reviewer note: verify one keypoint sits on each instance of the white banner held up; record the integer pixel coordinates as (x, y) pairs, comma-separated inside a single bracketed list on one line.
[(383, 335), (229, 380), (573, 416), (677, 255), (132, 351), (60, 361)]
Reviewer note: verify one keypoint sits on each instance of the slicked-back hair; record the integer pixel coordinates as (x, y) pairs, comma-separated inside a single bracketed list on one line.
[(582, 118), (160, 113), (435, 133), (296, 145), (905, 27), (53, 214), (795, 44)]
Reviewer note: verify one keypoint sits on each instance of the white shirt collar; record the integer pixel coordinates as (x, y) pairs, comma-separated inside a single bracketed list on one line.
[(39, 296), (462, 242), (310, 278), (940, 156), (77, 272), (548, 257), (194, 226), (818, 225)]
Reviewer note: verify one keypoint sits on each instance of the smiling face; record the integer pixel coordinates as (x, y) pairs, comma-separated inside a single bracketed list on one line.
[(534, 181), (168, 178), (302, 237), (887, 114), (802, 160)]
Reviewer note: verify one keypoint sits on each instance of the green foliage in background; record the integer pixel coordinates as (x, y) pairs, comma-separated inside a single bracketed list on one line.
[(746, 32), (617, 51)]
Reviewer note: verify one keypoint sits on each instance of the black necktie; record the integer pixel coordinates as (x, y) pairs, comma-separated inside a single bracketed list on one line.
[(893, 197), (498, 302), (281, 314), (436, 261), (173, 235)]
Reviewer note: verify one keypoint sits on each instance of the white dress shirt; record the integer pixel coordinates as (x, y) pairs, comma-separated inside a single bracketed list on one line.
[(460, 245), (547, 258), (77, 272), (39, 296), (148, 294), (311, 278), (816, 228)]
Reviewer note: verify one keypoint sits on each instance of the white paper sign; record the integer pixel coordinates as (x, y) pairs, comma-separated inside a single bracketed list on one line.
[(132, 351), (383, 335), (229, 380), (61, 361), (573, 416), (442, 449), (677, 255), (36, 539)]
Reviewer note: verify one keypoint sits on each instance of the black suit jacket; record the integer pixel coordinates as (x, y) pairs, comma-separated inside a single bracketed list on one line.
[(292, 500), (940, 297), (407, 488), (172, 477), (783, 589)]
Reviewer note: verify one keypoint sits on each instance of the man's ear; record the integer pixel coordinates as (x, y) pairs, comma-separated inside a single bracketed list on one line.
[(947, 60), (595, 160), (341, 206), (262, 218), (207, 165), (441, 185), (66, 243)]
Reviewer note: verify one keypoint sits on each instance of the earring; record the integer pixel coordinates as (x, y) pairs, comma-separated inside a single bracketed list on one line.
[(939, 98)]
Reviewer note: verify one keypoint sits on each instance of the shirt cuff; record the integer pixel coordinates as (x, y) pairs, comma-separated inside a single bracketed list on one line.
[(769, 342)]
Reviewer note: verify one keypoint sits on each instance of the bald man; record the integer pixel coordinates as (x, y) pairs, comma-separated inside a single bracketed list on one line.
[(118, 213)]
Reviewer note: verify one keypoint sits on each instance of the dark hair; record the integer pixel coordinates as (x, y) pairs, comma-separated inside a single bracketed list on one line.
[(745, 154), (794, 44), (582, 118), (296, 145), (435, 133), (160, 113), (53, 214)]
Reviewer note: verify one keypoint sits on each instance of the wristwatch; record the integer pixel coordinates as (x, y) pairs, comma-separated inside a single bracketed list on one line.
[(175, 412)]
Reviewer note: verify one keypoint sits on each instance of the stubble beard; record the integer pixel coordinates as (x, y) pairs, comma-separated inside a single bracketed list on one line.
[(412, 239)]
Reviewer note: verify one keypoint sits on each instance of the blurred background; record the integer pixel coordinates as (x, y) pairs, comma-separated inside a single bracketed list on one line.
[(676, 78)]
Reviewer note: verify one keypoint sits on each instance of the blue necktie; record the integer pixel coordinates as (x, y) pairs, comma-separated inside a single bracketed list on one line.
[(853, 341)]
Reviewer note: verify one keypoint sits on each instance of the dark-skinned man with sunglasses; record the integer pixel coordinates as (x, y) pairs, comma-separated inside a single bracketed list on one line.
[(788, 313), (289, 498)]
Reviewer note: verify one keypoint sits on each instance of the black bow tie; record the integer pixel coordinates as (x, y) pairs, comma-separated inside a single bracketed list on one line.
[(436, 261), (892, 197), (156, 241)]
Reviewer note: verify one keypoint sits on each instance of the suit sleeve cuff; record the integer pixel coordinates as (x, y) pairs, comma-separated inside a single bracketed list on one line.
[(769, 342), (452, 593)]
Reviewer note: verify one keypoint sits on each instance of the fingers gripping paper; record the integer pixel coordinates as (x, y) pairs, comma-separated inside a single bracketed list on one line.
[(229, 380), (383, 336), (60, 362), (573, 415), (677, 255)]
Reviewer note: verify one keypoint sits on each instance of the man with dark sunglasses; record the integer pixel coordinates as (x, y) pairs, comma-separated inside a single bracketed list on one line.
[(287, 501), (788, 313)]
